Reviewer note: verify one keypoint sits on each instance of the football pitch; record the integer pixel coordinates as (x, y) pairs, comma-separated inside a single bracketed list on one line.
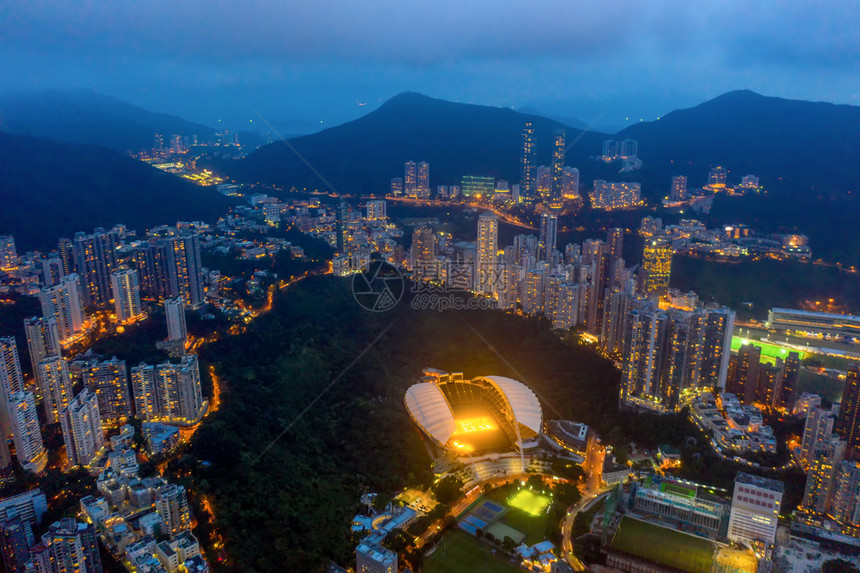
[(462, 553), (769, 352), (529, 502), (664, 546)]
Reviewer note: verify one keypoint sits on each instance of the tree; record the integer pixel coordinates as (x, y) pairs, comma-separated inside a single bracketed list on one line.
[(567, 494), (535, 482), (508, 543), (838, 566), (448, 489)]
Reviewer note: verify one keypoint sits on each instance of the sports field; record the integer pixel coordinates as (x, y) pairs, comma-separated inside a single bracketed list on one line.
[(769, 352), (529, 502), (664, 546), (462, 553)]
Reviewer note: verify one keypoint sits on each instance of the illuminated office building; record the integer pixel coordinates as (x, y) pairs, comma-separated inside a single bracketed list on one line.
[(109, 381), (82, 429), (755, 509), (656, 266), (63, 304), (488, 250), (95, 260), (126, 295), (527, 163), (55, 384), (26, 432)]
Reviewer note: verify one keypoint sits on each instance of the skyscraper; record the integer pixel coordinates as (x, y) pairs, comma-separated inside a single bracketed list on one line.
[(615, 238), (601, 275), (570, 183), (82, 429), (845, 506), (95, 260), (109, 381), (548, 235), (178, 392), (422, 182), (143, 388), (171, 504), (62, 303), (26, 432), (52, 271), (679, 188), (184, 268), (533, 292), (656, 266), (43, 339), (66, 250), (342, 227), (790, 379), (543, 182), (424, 265), (16, 538), (558, 148), (174, 310), (848, 422), (488, 249), (11, 379), (8, 254), (151, 262), (822, 471), (816, 433), (126, 295), (527, 163), (410, 178), (55, 385)]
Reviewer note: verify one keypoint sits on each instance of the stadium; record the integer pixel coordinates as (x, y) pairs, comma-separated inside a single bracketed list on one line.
[(472, 417)]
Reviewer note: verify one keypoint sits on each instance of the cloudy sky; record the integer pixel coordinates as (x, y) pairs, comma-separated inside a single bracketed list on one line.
[(324, 61)]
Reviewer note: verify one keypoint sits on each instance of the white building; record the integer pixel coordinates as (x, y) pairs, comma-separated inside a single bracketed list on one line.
[(43, 339), (174, 309), (755, 509), (82, 429), (376, 210), (11, 379), (64, 304), (171, 504)]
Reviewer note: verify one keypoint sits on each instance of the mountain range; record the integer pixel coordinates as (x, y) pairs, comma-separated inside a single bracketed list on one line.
[(52, 189), (81, 116)]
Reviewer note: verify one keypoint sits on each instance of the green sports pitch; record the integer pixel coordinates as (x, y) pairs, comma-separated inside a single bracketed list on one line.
[(769, 352), (529, 501), (664, 546)]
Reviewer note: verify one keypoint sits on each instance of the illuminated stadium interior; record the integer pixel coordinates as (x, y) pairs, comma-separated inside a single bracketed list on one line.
[(470, 417)]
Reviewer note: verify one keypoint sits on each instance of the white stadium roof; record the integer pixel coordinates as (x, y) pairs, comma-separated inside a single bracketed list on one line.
[(430, 409), (523, 401)]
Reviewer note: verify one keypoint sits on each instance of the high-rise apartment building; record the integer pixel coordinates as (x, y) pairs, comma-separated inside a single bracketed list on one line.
[(8, 254), (72, 547), (26, 432), (410, 178), (150, 259), (174, 310), (11, 379), (43, 339), (126, 295), (66, 251), (548, 235), (63, 304), (488, 250), (717, 178), (184, 268), (376, 210), (570, 183), (816, 433), (601, 278), (845, 506), (171, 504), (109, 381), (52, 271), (848, 422), (168, 392), (822, 471), (679, 188), (422, 181), (95, 260), (16, 539), (527, 163), (656, 266), (558, 149), (82, 429), (55, 384), (424, 265)]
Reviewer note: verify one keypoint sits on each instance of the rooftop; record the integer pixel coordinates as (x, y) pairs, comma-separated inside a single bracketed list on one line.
[(760, 481)]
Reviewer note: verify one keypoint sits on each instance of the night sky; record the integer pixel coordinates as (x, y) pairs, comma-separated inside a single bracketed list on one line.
[(319, 61)]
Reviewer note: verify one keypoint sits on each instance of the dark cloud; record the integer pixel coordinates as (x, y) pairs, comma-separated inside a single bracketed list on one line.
[(304, 55)]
